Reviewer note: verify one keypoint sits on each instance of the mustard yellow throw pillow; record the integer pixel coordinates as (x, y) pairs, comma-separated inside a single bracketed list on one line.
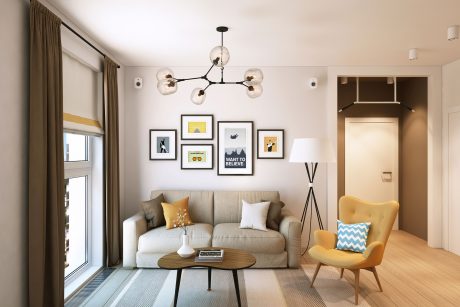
[(172, 212)]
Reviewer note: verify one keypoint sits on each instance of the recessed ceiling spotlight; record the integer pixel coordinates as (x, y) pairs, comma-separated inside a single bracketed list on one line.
[(452, 33), (413, 54), (390, 80), (343, 80)]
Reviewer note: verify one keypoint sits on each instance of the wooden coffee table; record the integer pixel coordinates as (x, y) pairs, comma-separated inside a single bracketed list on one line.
[(234, 260)]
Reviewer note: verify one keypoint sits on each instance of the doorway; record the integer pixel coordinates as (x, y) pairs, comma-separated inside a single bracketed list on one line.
[(411, 174), (371, 168)]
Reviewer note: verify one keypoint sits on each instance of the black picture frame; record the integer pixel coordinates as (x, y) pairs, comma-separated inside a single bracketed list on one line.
[(269, 155), (249, 171), (183, 136), (156, 156), (182, 164)]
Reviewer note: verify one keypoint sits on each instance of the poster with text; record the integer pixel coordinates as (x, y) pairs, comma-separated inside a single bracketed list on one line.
[(235, 148)]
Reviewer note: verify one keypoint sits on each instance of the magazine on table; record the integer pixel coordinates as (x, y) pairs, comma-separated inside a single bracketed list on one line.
[(208, 255)]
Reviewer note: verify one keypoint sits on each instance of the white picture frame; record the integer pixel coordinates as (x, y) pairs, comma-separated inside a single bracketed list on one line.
[(197, 127), (163, 144), (270, 144), (197, 156), (235, 148)]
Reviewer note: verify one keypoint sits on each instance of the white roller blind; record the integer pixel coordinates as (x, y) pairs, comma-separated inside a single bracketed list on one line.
[(82, 93)]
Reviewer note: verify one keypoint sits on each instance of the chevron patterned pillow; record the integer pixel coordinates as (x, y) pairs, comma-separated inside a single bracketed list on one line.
[(352, 237)]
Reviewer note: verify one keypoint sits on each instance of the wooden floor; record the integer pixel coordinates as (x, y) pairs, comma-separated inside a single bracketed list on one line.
[(412, 274)]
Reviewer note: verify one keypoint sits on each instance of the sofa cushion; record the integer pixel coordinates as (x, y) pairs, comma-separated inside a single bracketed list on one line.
[(274, 216), (227, 205), (255, 241), (254, 216), (154, 212), (200, 203), (177, 214), (162, 240)]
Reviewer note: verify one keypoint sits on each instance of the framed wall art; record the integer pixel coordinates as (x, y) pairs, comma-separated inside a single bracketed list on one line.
[(270, 144), (163, 144), (197, 127), (197, 156), (235, 148)]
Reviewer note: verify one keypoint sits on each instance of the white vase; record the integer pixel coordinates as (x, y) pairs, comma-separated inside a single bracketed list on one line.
[(185, 250)]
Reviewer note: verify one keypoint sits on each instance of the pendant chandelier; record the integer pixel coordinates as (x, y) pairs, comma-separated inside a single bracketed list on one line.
[(219, 56)]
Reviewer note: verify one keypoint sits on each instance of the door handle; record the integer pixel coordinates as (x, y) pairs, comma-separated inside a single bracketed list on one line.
[(387, 176)]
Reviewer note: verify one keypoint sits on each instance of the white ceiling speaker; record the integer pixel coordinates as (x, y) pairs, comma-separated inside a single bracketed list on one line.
[(343, 80), (313, 83), (452, 33), (138, 82), (413, 54)]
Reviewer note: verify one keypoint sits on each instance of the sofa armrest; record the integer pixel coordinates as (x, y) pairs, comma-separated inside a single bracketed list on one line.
[(133, 228), (290, 229)]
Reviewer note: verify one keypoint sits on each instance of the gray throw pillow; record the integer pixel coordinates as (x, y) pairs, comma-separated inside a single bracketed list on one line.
[(153, 212), (274, 215)]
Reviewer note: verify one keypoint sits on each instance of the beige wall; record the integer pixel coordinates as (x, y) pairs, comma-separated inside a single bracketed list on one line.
[(13, 180), (287, 103)]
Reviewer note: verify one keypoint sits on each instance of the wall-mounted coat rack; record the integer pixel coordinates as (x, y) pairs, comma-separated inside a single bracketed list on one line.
[(395, 101)]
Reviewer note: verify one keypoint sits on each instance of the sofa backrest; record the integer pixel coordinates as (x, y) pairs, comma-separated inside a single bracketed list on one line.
[(227, 204), (200, 203), (215, 207)]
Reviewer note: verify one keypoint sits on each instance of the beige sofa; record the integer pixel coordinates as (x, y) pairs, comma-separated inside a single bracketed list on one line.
[(216, 216)]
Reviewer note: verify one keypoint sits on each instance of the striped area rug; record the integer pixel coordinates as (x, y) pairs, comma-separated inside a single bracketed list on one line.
[(258, 287)]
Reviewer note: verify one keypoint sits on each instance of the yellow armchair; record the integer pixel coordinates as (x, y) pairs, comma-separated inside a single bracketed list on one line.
[(353, 210)]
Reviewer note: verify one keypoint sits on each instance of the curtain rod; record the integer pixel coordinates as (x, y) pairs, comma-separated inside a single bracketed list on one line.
[(85, 40)]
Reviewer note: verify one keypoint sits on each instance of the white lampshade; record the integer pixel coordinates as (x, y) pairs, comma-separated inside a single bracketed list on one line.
[(311, 150)]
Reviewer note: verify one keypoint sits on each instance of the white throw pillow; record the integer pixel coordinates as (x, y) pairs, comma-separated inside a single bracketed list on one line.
[(254, 215)]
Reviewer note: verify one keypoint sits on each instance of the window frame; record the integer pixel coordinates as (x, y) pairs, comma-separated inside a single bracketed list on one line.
[(76, 169)]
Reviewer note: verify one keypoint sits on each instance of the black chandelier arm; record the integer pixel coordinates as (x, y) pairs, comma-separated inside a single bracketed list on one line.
[(187, 79)]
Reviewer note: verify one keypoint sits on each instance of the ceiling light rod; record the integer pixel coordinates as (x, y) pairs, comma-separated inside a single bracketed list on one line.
[(377, 102), (219, 56)]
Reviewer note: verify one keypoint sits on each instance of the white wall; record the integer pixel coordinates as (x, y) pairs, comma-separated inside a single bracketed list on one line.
[(451, 105), (287, 103), (13, 138)]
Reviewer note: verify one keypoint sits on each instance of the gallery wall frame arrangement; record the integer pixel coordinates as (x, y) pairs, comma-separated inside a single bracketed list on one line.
[(163, 144), (235, 148), (270, 143), (197, 156), (197, 126)]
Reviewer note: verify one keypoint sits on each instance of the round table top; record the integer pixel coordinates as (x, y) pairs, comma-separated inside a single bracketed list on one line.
[(234, 259)]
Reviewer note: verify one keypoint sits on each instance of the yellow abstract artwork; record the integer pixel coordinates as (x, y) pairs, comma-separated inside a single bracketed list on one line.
[(196, 127), (270, 144)]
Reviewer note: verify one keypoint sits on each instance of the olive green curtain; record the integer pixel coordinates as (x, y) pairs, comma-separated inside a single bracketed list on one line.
[(112, 168), (45, 160)]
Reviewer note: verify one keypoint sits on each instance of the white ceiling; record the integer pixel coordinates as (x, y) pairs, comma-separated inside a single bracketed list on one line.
[(270, 32)]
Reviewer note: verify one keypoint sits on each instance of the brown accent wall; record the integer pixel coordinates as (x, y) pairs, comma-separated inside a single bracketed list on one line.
[(412, 140), (413, 172)]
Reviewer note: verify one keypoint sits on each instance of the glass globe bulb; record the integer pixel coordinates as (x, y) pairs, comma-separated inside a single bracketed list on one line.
[(198, 96), (219, 56), (254, 90), (165, 74), (167, 87), (253, 76)]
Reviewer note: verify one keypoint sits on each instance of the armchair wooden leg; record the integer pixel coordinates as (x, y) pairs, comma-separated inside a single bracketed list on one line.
[(374, 270), (356, 285), (341, 273), (316, 273)]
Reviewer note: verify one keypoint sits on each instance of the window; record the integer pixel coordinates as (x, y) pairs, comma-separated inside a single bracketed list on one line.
[(83, 203), (77, 201)]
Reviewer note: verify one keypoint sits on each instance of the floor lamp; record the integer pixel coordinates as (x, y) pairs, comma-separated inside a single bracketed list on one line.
[(311, 151)]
